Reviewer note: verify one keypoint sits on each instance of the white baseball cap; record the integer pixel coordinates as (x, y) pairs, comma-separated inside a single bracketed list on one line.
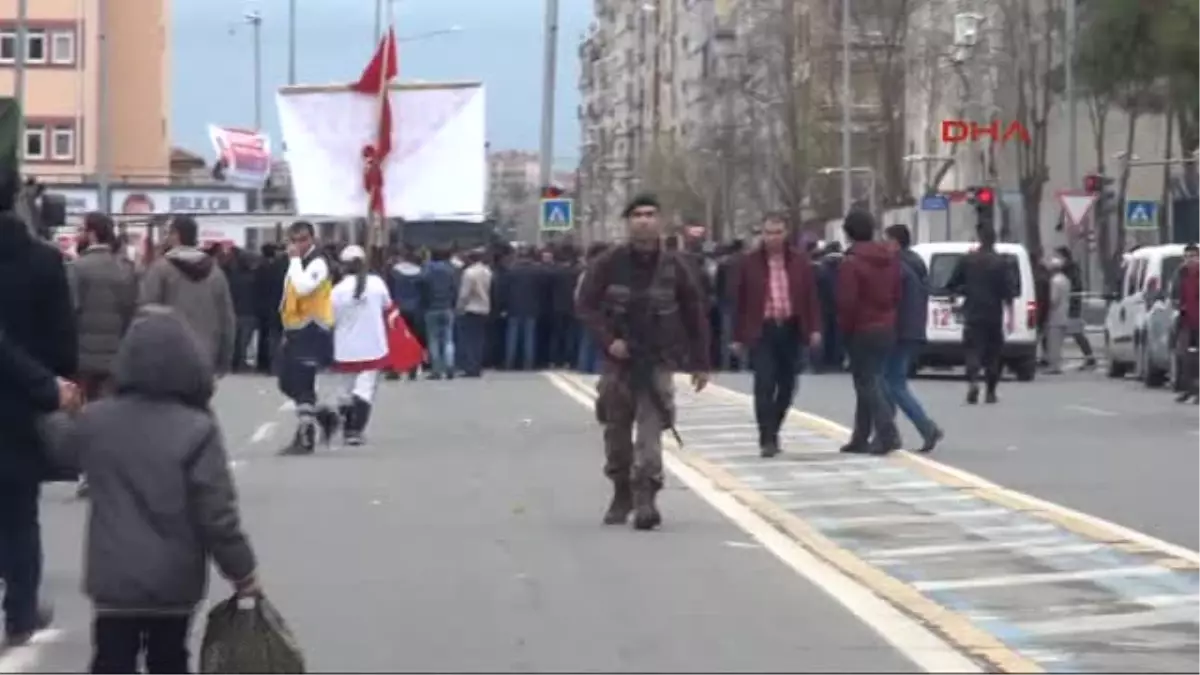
[(353, 252)]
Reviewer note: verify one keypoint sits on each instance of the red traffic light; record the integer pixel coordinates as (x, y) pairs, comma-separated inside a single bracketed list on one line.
[(1092, 183), (551, 192), (984, 196)]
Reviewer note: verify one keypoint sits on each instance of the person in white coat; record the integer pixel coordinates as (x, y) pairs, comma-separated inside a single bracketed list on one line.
[(360, 343), (1058, 316)]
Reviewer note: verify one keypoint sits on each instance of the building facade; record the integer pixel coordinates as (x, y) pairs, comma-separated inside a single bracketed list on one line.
[(62, 100)]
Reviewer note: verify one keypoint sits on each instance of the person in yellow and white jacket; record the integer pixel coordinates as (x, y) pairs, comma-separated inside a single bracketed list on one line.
[(306, 312)]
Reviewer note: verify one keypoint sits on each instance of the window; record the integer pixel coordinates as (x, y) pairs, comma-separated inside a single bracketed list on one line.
[(941, 267), (35, 46), (62, 48), (8, 46), (35, 142), (64, 143)]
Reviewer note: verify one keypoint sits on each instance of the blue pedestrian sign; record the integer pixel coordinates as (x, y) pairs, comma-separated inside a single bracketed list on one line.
[(935, 202), (1141, 214), (557, 214)]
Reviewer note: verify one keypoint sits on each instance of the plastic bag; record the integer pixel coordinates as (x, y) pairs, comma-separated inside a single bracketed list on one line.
[(248, 635)]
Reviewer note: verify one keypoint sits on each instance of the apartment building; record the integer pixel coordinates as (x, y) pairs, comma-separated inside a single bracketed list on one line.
[(62, 53)]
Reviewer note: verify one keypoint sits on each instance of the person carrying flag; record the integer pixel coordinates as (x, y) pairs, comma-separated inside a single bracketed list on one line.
[(360, 341)]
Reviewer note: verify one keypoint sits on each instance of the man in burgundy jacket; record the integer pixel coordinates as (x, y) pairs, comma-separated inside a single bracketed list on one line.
[(777, 314), (869, 288)]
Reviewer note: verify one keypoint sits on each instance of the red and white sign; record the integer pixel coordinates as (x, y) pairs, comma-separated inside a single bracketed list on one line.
[(1076, 205), (247, 155)]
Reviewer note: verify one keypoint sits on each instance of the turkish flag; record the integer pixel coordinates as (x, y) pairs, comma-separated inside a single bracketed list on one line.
[(374, 81), (405, 351)]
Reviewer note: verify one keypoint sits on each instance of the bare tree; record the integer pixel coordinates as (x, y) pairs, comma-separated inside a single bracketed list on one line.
[(1031, 32)]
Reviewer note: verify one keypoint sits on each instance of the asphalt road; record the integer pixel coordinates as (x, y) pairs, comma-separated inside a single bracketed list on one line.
[(465, 537), (1113, 449)]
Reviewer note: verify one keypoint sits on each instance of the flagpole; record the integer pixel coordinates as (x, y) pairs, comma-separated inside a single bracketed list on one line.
[(376, 223)]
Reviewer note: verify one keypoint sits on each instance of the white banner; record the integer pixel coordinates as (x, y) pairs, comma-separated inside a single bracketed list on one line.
[(127, 201), (79, 200), (247, 155), (437, 169)]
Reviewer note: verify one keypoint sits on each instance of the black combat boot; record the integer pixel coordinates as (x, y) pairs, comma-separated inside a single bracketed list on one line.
[(645, 511), (328, 420), (621, 504), (304, 442), (360, 414)]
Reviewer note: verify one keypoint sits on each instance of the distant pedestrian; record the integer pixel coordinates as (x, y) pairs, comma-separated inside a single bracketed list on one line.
[(1075, 327), (1058, 315), (404, 281), (474, 307), (162, 499), (778, 316), (986, 282), (911, 319), (189, 281), (360, 341), (869, 289), (439, 284)]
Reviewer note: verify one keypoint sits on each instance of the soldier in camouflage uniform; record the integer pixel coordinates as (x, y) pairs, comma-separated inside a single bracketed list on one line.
[(643, 304)]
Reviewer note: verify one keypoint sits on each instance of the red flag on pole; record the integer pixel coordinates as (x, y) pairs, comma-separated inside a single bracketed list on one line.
[(374, 81)]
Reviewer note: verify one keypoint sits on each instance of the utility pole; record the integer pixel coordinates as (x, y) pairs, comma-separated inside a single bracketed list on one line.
[(549, 76), (103, 110), (254, 18), (291, 42), (1072, 111), (847, 101), (19, 72)]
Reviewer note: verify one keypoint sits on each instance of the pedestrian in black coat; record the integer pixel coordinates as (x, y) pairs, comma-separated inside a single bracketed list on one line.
[(39, 345)]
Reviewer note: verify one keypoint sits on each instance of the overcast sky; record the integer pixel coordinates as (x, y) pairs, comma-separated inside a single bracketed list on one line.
[(501, 44)]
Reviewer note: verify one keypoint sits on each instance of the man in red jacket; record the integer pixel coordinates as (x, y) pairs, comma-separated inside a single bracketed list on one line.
[(869, 286), (1187, 298), (776, 302)]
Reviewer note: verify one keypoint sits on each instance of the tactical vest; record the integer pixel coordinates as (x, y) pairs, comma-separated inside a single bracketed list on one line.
[(648, 318)]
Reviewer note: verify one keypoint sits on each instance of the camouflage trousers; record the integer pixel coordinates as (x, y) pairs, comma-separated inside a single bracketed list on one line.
[(633, 426)]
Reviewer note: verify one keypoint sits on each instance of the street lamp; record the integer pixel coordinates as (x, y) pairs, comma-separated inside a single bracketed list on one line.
[(253, 18)]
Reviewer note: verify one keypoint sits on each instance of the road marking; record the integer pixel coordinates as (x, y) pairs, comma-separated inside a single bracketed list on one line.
[(1078, 522), (1040, 578), (1088, 410), (982, 546), (1014, 529), (742, 544), (866, 592), (1098, 623), (26, 658), (714, 427), (263, 432), (860, 521)]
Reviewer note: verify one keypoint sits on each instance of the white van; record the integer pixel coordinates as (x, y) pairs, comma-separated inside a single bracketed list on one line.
[(944, 334), (1132, 340)]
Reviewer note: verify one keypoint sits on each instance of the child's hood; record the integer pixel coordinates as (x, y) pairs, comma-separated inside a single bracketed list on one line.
[(160, 357)]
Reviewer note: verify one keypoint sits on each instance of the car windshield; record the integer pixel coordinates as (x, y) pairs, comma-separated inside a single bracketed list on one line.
[(942, 265), (1170, 267)]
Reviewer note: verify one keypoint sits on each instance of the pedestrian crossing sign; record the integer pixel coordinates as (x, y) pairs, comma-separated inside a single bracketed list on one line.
[(1140, 214), (557, 214)]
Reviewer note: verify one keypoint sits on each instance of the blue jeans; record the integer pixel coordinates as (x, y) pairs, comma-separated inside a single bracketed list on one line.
[(520, 330), (895, 387), (439, 327), (589, 353)]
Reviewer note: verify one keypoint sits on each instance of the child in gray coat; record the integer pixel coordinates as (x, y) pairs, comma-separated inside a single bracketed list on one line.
[(162, 498)]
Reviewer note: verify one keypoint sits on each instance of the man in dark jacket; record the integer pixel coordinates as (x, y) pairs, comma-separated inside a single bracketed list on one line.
[(778, 315), (105, 292), (439, 284), (726, 304), (869, 288), (268, 293), (38, 348), (240, 275), (564, 331), (522, 300), (911, 318), (833, 352), (984, 279), (404, 282)]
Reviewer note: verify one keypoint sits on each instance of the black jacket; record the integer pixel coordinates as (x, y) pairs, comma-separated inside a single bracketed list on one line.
[(40, 342), (523, 292), (913, 313)]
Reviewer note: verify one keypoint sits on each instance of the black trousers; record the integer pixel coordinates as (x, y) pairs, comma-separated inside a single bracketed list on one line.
[(775, 361), (983, 343), (872, 412), (118, 641), (20, 552), (472, 342)]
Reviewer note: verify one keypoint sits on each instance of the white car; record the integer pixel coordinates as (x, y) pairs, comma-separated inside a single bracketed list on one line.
[(1138, 328), (944, 334)]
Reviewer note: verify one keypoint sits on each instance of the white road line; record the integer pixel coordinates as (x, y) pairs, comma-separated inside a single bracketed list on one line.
[(920, 551), (1167, 600), (1100, 623), (711, 427), (947, 516), (1088, 410), (923, 647), (1040, 578), (1015, 529), (263, 432), (25, 659)]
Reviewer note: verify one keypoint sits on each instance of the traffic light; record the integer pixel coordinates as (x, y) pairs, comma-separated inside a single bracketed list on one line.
[(551, 192), (1106, 197), (983, 198)]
